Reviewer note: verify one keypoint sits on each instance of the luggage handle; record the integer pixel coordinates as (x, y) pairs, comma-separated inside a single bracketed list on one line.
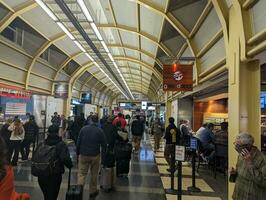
[(69, 177)]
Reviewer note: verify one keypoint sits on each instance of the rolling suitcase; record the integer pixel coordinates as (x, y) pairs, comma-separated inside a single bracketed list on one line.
[(108, 178), (74, 192)]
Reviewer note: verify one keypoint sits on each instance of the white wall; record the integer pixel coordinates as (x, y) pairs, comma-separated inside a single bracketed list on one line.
[(174, 110), (54, 105), (89, 108)]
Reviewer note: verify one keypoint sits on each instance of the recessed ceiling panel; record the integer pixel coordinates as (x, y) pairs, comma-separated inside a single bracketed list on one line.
[(148, 46), (188, 15), (67, 45), (150, 22), (82, 59), (125, 12), (13, 4), (129, 38), (41, 21), (132, 53)]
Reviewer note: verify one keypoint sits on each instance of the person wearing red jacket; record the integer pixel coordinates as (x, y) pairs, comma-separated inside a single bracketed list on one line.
[(120, 119), (7, 189)]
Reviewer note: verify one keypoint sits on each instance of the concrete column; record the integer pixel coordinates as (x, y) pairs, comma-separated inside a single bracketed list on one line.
[(67, 102), (244, 89), (168, 106)]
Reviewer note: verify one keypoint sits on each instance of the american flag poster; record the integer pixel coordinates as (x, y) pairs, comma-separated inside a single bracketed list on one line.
[(16, 108)]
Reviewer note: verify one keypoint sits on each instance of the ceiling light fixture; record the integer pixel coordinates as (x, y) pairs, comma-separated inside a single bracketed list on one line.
[(46, 9), (105, 47), (111, 57), (79, 46), (85, 10), (96, 31), (65, 30), (88, 55)]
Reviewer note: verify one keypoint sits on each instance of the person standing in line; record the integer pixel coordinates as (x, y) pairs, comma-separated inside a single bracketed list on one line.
[(63, 126), (91, 139), (5, 133), (88, 121), (172, 137), (137, 129), (17, 136), (121, 119), (156, 130), (249, 175), (76, 127), (31, 132), (50, 185), (56, 119)]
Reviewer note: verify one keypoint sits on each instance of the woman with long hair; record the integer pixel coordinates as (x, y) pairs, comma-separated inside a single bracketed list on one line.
[(17, 136)]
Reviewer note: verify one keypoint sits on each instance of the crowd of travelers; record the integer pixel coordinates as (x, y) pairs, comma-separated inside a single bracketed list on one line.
[(99, 144), (107, 144)]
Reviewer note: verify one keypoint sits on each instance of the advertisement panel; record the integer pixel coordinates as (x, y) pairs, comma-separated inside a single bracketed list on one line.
[(178, 77), (14, 92), (61, 90)]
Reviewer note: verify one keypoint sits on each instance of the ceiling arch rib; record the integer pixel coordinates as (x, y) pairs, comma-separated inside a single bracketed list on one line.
[(42, 49), (17, 11), (64, 64), (134, 60), (141, 33), (133, 48)]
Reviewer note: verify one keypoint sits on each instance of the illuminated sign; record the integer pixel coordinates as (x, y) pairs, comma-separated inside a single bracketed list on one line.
[(144, 105), (61, 90), (177, 77), (14, 92)]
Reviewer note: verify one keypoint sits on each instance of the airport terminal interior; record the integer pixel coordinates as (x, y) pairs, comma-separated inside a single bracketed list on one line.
[(142, 99)]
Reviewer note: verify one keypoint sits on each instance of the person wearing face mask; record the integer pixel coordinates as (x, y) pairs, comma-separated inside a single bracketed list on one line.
[(250, 172)]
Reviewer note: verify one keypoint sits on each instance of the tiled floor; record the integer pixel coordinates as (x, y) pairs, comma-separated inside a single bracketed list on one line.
[(143, 182), (147, 180)]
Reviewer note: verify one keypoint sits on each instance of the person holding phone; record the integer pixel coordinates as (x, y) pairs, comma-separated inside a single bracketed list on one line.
[(250, 172)]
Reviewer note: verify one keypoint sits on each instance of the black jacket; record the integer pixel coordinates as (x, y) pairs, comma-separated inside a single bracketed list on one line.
[(62, 151), (89, 141), (31, 131), (110, 132), (5, 133), (137, 128), (172, 134)]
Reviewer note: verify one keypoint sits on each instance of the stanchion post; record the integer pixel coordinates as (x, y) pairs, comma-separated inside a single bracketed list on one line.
[(194, 147), (172, 190), (179, 181)]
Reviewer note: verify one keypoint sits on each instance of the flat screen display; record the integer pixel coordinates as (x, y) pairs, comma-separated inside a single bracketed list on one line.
[(86, 98), (262, 102)]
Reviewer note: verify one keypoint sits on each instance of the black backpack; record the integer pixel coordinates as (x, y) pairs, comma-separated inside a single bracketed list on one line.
[(45, 161)]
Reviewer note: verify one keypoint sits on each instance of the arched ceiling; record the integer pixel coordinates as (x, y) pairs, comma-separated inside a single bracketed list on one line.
[(139, 34)]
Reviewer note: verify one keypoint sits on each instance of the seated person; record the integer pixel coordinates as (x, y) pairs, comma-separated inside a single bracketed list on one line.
[(186, 133), (206, 138), (221, 136)]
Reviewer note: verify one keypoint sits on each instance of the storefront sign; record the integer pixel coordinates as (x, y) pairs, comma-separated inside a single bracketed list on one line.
[(180, 153), (178, 77), (61, 90), (16, 108), (13, 92)]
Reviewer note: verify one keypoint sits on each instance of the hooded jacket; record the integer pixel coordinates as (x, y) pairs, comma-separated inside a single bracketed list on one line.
[(62, 151)]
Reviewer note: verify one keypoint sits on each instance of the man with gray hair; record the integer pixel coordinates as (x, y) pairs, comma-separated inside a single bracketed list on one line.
[(250, 172)]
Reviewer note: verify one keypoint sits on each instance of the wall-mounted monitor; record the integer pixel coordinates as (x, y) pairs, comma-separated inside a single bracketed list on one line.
[(262, 102), (86, 98)]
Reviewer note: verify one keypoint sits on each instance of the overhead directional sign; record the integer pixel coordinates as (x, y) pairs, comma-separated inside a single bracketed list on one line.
[(178, 77)]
